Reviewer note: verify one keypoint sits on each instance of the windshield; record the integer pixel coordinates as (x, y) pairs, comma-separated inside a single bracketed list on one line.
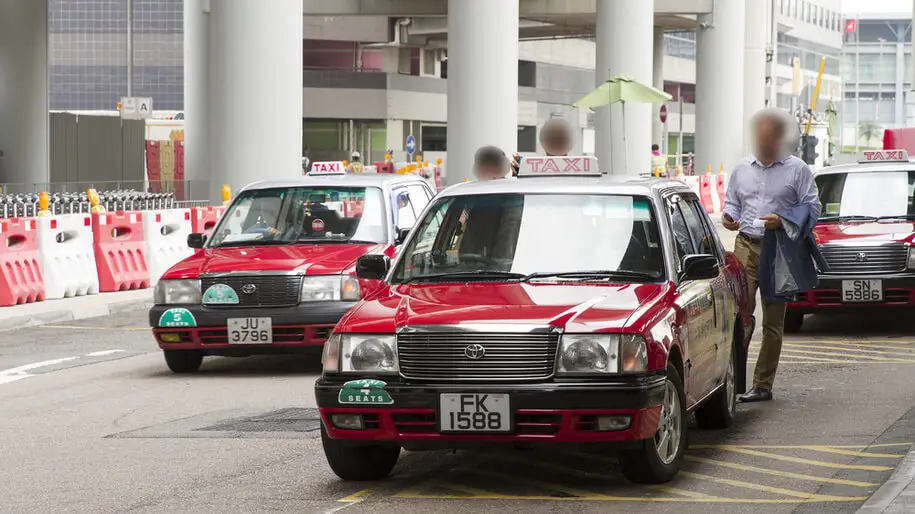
[(517, 235), (883, 194), (303, 215)]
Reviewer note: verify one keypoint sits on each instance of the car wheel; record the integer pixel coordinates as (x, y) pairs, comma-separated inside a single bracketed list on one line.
[(183, 361), (359, 462), (719, 411), (794, 321), (658, 459)]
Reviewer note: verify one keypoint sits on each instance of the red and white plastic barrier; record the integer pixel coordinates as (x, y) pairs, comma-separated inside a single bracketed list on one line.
[(119, 251), (204, 219), (21, 280), (67, 256), (165, 234), (709, 188)]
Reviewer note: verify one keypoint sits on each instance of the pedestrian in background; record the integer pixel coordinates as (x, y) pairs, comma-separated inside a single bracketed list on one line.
[(555, 139), (658, 162), (769, 181), (490, 163), (355, 165)]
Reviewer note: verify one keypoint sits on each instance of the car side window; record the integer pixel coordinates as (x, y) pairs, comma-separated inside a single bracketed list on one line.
[(419, 197), (682, 239), (703, 242)]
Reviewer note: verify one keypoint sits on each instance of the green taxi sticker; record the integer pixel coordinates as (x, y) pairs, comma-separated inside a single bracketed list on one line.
[(364, 392), (641, 211), (177, 318), (832, 208), (220, 294)]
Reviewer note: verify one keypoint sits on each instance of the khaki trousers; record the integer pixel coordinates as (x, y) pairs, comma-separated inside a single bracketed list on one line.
[(773, 317)]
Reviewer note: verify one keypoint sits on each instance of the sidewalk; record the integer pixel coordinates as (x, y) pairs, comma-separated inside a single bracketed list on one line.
[(897, 495), (69, 309)]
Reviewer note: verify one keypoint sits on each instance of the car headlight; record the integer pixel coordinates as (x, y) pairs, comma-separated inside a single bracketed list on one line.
[(360, 353), (177, 292), (911, 261), (602, 353), (328, 288)]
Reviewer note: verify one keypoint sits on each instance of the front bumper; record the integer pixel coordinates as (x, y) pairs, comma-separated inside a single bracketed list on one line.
[(898, 291), (303, 325), (562, 412)]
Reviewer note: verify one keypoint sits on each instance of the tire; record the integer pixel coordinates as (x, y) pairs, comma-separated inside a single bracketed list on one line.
[(358, 462), (718, 412), (183, 361), (645, 465), (794, 321)]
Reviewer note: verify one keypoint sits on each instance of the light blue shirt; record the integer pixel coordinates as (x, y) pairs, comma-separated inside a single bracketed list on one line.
[(756, 190)]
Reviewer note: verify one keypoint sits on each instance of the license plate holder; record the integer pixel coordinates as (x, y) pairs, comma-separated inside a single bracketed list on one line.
[(489, 413), (862, 291), (257, 331)]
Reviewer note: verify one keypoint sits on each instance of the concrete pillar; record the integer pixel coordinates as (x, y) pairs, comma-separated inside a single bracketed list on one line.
[(254, 97), (196, 100), (657, 128), (625, 36), (24, 92), (482, 81), (720, 61), (754, 86), (899, 118)]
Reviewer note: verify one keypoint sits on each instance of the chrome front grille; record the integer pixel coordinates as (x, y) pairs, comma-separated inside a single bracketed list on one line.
[(846, 259), (442, 356), (269, 290)]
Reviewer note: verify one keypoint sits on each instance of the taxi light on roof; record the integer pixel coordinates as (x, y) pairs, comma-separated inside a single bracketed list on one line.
[(328, 168), (582, 166), (885, 156)]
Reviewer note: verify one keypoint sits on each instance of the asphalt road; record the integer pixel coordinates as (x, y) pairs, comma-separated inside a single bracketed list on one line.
[(92, 421)]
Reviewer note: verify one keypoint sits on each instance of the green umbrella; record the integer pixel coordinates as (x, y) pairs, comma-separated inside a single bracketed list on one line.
[(622, 89)]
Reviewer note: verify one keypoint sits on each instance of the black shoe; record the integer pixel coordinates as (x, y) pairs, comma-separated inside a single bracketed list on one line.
[(757, 394)]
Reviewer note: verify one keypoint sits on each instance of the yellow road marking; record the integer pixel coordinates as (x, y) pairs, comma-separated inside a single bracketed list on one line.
[(777, 473), (358, 495), (581, 493), (869, 357), (850, 350), (849, 341), (818, 359), (763, 488), (472, 491), (75, 327), (642, 499), (852, 453), (797, 460), (793, 446)]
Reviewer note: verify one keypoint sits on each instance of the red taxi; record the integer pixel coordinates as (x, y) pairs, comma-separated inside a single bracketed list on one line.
[(557, 309), (278, 271), (865, 233)]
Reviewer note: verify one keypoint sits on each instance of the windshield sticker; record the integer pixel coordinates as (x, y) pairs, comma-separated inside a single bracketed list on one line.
[(832, 208), (364, 392), (237, 238), (641, 211), (220, 294), (177, 318), (317, 225)]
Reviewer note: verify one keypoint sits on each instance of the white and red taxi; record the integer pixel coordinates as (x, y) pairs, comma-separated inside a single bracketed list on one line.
[(559, 307), (865, 233), (278, 271)]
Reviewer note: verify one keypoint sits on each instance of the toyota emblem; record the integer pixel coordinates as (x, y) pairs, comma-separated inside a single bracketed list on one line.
[(475, 352), (248, 288), (861, 257)]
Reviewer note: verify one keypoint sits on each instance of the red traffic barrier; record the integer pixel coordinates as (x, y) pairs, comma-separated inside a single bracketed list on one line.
[(386, 167), (437, 174), (203, 219), (20, 273), (720, 186), (119, 251), (705, 193)]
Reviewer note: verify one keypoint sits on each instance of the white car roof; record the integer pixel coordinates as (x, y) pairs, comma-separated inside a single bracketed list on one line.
[(603, 185), (382, 180)]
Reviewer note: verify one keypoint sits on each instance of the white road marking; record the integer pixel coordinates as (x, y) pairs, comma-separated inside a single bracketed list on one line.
[(20, 372), (103, 353)]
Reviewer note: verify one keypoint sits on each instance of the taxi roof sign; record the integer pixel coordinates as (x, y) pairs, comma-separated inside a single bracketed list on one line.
[(578, 166), (884, 156), (328, 168)]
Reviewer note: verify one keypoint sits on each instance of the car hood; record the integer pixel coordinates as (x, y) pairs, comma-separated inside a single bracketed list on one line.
[(869, 232), (312, 259), (575, 308)]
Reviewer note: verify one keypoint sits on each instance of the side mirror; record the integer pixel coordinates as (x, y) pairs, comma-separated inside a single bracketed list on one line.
[(699, 267), (196, 240), (373, 267), (402, 234)]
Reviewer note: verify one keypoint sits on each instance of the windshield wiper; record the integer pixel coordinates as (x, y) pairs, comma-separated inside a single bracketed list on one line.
[(314, 240), (595, 274), (904, 217), (848, 218), (252, 242), (480, 274)]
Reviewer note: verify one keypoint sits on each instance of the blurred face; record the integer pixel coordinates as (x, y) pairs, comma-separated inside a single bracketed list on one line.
[(768, 139), (557, 141), (489, 171)]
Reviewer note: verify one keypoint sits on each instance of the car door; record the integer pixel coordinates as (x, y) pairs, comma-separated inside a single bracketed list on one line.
[(696, 302), (723, 301)]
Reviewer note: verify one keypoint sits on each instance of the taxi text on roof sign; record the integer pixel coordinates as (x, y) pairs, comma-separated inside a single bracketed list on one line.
[(327, 168), (885, 156), (548, 166)]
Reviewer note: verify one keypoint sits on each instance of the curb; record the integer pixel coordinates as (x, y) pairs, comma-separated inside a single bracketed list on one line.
[(901, 479), (72, 314)]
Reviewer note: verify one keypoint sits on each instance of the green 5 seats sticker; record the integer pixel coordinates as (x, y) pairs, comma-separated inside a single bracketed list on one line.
[(220, 294), (364, 392), (177, 318)]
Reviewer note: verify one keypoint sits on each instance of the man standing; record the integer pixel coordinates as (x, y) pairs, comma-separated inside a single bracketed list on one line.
[(658, 162), (355, 165), (767, 182), (490, 163)]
